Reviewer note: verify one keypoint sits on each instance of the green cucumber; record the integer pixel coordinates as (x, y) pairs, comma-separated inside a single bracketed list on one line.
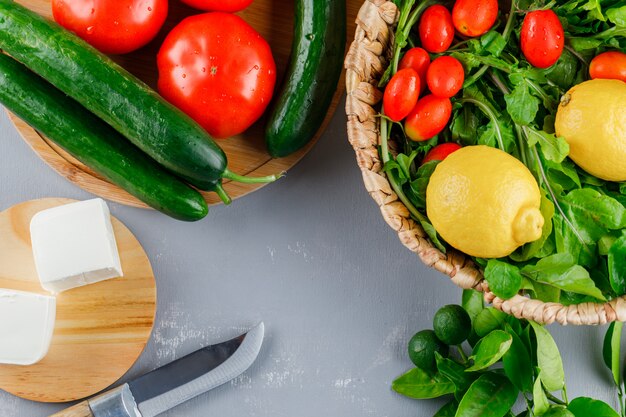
[(311, 81), (132, 108), (95, 143)]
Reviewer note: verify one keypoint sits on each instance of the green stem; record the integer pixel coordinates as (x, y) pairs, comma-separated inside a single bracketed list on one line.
[(565, 395), (462, 354), (229, 175), (542, 93), (223, 195), (476, 76), (491, 114), (555, 399), (397, 188)]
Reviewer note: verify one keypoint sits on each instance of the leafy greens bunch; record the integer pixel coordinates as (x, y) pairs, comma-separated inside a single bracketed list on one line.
[(510, 359), (508, 104)]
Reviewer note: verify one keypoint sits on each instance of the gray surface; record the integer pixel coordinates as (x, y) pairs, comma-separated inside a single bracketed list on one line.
[(310, 256)]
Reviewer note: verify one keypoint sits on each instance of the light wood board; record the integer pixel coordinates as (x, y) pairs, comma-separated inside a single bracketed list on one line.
[(246, 153), (101, 329)]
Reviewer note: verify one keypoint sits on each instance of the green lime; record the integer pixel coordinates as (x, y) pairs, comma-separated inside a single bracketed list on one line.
[(452, 324), (422, 348)]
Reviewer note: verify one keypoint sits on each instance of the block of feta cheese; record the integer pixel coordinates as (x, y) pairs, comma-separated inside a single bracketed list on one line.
[(74, 245), (26, 326)]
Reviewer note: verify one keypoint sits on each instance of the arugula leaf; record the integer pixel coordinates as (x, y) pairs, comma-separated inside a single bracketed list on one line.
[(433, 235), (464, 126), (593, 213), (504, 279), (418, 384), (617, 266), (560, 270), (553, 148), (420, 182), (521, 105)]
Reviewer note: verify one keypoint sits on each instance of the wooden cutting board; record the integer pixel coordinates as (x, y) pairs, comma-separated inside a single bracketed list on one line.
[(101, 329), (246, 152)]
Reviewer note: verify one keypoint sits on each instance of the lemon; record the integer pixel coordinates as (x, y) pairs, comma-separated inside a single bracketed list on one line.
[(484, 202), (592, 119)]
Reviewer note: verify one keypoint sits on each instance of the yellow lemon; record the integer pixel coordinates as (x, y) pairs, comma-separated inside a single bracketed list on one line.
[(484, 202), (592, 118)]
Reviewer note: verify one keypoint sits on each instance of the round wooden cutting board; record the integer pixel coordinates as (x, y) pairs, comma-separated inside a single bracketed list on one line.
[(246, 153), (101, 329)]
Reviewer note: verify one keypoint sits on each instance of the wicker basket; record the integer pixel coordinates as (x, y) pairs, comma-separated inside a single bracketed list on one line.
[(365, 63)]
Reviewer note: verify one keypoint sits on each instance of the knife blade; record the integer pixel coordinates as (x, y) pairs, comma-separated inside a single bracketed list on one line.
[(168, 386)]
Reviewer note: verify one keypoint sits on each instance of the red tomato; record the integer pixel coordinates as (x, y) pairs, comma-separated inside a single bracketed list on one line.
[(436, 29), (219, 70), (474, 17), (610, 65), (219, 5), (441, 152), (401, 94), (418, 59), (113, 27), (445, 76), (429, 117), (542, 38)]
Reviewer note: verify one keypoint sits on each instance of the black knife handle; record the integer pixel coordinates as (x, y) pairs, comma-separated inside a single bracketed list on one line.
[(79, 410)]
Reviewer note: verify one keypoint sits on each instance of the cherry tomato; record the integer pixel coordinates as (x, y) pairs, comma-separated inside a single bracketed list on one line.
[(436, 29), (542, 38), (401, 94), (219, 5), (418, 59), (429, 117), (474, 17), (441, 152), (219, 70), (113, 27), (610, 65), (445, 76)]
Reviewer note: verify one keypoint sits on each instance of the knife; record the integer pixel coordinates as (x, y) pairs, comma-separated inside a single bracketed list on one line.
[(173, 384)]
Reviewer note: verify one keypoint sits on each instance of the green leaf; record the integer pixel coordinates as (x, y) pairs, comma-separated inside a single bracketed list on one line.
[(587, 407), (418, 384), (464, 126), (491, 395), (493, 132), (493, 43), (561, 271), (433, 235), (521, 105), (473, 303), (617, 266), (488, 320), (420, 180), (448, 410), (490, 350), (531, 249), (455, 373), (611, 349), (548, 359), (516, 363), (541, 404), (617, 15), (553, 148), (592, 213), (504, 279), (559, 411)]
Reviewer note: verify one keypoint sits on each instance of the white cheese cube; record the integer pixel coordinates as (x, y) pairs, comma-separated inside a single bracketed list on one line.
[(26, 326), (74, 245)]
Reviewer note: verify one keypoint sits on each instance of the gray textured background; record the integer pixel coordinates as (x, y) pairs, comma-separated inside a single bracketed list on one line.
[(310, 256)]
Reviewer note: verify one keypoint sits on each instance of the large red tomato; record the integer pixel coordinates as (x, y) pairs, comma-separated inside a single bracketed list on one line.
[(219, 70), (219, 5), (112, 26)]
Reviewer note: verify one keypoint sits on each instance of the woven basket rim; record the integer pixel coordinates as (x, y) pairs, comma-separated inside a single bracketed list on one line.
[(365, 62)]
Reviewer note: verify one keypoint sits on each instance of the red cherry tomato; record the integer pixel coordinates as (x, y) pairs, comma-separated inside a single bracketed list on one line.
[(401, 94), (542, 38), (436, 29), (113, 27), (610, 65), (429, 117), (474, 17), (441, 152), (418, 59), (219, 70), (445, 76), (219, 5)]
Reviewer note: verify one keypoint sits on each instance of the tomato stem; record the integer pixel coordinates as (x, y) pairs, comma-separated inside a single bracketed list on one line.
[(229, 175)]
